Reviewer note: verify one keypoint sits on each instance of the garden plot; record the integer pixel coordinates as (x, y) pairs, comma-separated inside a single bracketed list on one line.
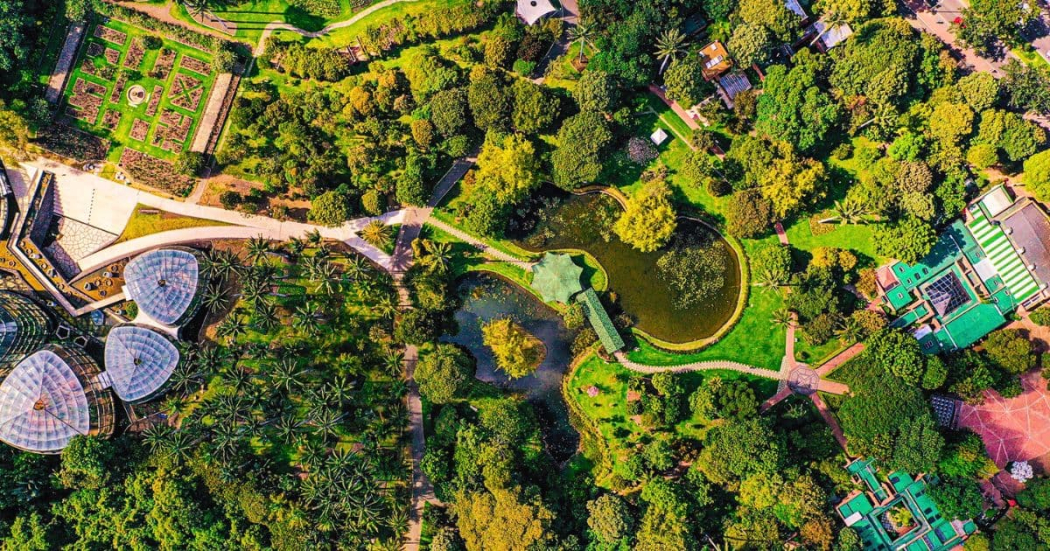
[(146, 93)]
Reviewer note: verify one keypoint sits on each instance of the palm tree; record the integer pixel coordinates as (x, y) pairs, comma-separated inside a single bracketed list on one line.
[(314, 238), (265, 317), (286, 427), (156, 436), (580, 33), (355, 268), (231, 328), (393, 363), (326, 420), (295, 246), (215, 299), (376, 233), (848, 211), (179, 445), (327, 279), (285, 375), (438, 257), (782, 317), (340, 388), (849, 331), (303, 318), (196, 8), (257, 247), (670, 46)]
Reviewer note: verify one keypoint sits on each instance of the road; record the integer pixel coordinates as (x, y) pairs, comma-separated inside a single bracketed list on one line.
[(937, 21)]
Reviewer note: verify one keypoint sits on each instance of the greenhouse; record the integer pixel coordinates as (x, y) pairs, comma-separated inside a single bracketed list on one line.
[(23, 327), (52, 396), (164, 284), (139, 361)]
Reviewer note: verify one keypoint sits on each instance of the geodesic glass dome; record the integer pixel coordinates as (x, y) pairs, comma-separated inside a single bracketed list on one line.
[(23, 326), (164, 284), (50, 397), (139, 361)]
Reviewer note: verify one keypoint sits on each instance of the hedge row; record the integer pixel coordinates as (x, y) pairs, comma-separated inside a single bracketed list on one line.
[(178, 33)]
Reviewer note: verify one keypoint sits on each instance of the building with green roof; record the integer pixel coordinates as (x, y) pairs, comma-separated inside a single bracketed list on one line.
[(871, 513), (977, 274), (556, 277), (599, 318)]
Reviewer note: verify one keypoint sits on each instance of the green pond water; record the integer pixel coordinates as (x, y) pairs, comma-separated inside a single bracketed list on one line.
[(557, 220)]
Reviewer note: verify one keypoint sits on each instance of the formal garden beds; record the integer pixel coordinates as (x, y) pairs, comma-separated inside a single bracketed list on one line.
[(158, 173), (133, 87)]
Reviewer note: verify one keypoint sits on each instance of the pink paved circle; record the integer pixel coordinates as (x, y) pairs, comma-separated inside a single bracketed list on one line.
[(1014, 429)]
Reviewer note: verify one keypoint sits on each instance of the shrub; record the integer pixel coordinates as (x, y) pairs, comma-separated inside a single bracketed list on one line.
[(524, 68), (230, 199), (190, 163), (331, 208), (152, 42)]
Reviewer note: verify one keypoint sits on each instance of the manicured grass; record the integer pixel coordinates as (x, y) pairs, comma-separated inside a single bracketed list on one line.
[(252, 16), (607, 412), (858, 238), (120, 137), (348, 35), (147, 221)]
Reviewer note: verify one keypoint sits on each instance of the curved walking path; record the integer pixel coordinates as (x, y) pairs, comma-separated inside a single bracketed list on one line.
[(697, 366), (485, 248), (282, 26)]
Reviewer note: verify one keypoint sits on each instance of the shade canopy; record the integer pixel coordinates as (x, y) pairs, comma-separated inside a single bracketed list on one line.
[(43, 404), (556, 277), (534, 10), (139, 361), (164, 284)]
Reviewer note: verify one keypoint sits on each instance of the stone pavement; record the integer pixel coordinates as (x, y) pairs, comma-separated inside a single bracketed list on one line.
[(57, 83)]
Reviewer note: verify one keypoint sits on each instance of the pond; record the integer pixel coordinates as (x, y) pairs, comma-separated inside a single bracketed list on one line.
[(558, 220), (486, 297)]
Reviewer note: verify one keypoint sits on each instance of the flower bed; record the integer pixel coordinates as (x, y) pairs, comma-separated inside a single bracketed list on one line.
[(135, 54), (86, 101), (111, 119), (118, 89), (70, 142), (154, 100), (195, 65), (162, 67), (95, 49), (155, 172), (173, 127), (139, 130), (187, 92), (110, 35), (113, 56)]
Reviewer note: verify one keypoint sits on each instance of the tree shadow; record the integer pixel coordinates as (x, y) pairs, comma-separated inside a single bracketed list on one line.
[(303, 19)]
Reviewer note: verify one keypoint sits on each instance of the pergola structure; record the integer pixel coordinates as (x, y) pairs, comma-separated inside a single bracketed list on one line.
[(556, 278)]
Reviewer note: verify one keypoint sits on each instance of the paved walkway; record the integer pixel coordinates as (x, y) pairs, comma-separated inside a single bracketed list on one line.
[(841, 358), (485, 248), (937, 21), (658, 92), (698, 366), (57, 82), (282, 26), (781, 234), (212, 112), (829, 418)]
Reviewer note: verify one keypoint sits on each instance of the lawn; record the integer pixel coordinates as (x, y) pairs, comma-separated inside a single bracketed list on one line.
[(251, 17), (345, 36), (147, 221), (176, 80), (607, 412)]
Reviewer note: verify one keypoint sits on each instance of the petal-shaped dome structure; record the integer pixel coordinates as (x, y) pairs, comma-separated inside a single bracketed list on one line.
[(50, 397), (164, 284), (139, 361)]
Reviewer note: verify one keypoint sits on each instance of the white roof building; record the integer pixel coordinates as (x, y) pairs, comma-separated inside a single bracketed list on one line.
[(659, 136), (533, 10)]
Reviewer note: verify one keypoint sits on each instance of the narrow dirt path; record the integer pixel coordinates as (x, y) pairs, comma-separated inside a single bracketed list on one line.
[(282, 26)]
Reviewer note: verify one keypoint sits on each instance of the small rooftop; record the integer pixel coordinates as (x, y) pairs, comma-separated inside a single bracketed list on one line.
[(532, 11), (556, 277), (714, 60)]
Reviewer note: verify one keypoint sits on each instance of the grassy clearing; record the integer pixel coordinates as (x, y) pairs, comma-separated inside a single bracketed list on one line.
[(148, 221), (252, 16), (121, 135), (348, 35), (607, 412)]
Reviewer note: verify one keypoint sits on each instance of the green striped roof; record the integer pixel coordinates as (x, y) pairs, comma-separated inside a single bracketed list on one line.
[(596, 314), (994, 242)]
